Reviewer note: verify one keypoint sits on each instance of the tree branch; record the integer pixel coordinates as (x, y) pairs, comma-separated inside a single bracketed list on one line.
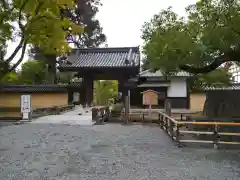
[(20, 45), (227, 57), (21, 57), (21, 26), (8, 60)]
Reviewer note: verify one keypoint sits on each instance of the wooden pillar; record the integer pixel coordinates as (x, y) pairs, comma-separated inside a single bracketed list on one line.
[(70, 96), (122, 88), (89, 90), (82, 92), (127, 108)]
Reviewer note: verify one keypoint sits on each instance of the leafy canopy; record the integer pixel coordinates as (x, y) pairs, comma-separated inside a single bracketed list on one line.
[(211, 29), (32, 72), (40, 22)]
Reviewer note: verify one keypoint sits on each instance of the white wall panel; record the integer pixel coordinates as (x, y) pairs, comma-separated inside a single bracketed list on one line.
[(177, 88)]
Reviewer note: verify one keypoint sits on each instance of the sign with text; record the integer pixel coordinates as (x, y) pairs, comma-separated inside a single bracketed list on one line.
[(150, 97), (25, 103)]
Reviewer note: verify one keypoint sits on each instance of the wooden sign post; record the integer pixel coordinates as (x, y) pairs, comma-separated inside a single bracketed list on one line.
[(150, 97)]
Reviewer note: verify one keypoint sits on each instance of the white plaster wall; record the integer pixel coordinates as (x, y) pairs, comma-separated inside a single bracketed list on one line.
[(177, 88)]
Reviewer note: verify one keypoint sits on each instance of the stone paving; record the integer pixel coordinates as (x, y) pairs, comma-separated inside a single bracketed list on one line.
[(106, 152), (71, 117)]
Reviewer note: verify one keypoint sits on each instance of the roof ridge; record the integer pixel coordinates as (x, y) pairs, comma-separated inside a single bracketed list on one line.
[(107, 49)]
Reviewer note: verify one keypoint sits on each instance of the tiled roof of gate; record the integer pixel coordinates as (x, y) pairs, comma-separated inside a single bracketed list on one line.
[(103, 57), (148, 73)]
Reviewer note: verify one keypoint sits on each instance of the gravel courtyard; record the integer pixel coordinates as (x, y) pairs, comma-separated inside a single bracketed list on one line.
[(106, 152)]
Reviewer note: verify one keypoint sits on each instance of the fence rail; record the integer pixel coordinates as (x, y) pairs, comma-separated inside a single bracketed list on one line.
[(172, 128)]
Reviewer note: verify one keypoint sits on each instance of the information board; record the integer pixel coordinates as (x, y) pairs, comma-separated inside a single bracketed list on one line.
[(150, 97)]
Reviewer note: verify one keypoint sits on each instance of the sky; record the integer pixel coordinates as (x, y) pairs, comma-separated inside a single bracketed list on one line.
[(122, 20)]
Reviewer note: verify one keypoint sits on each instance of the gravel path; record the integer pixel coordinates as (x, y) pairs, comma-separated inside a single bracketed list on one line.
[(106, 152), (71, 117)]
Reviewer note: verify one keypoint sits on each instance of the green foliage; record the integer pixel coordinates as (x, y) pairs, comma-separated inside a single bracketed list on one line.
[(216, 23), (167, 41), (104, 90), (82, 14), (65, 77), (10, 78), (40, 23), (212, 28), (219, 76), (32, 72)]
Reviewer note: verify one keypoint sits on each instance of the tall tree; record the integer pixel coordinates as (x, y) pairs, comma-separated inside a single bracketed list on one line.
[(39, 23), (167, 42), (209, 37), (171, 41), (217, 23), (83, 15)]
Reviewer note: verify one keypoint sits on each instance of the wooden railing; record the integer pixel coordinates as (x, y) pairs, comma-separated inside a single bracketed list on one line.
[(172, 128)]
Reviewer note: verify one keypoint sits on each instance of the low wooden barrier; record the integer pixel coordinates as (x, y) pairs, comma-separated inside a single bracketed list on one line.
[(141, 115), (172, 128)]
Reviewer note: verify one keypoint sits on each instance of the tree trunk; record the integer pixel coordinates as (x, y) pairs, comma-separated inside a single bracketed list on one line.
[(51, 64)]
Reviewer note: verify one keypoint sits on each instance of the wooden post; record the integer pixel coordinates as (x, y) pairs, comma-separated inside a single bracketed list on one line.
[(129, 95), (126, 106), (215, 132), (178, 135), (150, 110), (168, 107), (161, 120)]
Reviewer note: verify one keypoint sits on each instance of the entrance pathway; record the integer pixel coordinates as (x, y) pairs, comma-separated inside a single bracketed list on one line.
[(108, 152), (71, 117)]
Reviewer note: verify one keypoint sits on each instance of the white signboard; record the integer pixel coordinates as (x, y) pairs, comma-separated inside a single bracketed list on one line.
[(25, 104)]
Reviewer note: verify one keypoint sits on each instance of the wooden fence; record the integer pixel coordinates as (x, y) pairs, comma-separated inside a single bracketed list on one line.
[(173, 128)]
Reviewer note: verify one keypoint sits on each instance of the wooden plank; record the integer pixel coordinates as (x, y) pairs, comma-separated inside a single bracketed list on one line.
[(195, 132), (168, 117), (209, 123), (228, 134), (228, 142), (196, 141)]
